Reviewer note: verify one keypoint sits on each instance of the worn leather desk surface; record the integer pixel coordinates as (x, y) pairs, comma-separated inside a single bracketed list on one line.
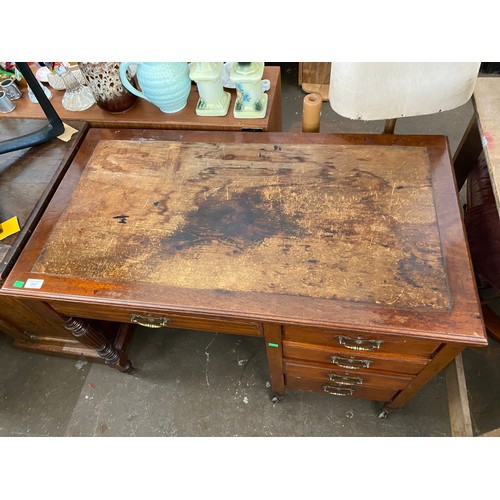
[(316, 229), (28, 177)]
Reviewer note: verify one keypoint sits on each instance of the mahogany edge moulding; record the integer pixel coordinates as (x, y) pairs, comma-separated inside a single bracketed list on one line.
[(461, 323)]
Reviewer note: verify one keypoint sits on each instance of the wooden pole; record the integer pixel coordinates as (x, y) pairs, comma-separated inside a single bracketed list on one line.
[(311, 112), (390, 124)]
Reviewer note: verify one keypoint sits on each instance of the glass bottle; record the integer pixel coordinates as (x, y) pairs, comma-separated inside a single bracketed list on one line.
[(77, 97)]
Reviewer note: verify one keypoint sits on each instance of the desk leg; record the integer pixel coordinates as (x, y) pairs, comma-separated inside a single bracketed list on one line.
[(442, 359), (92, 338), (274, 350)]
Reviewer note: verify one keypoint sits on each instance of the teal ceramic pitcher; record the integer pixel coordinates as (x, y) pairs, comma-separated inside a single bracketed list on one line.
[(164, 84)]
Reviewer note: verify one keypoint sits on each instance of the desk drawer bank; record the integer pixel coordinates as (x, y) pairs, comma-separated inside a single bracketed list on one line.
[(345, 253)]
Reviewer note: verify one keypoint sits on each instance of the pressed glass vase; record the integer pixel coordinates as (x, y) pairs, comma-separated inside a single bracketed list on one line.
[(77, 97)]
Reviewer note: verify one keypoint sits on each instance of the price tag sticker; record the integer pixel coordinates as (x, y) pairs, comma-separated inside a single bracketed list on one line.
[(32, 283)]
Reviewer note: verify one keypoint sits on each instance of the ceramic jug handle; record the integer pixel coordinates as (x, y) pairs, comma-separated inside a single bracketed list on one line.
[(126, 83)]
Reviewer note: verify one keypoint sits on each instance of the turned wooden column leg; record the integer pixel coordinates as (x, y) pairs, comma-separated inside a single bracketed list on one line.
[(92, 338)]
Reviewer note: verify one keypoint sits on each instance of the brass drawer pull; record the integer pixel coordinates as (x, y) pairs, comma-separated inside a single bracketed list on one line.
[(149, 321), (338, 391), (359, 344), (343, 380), (351, 363)]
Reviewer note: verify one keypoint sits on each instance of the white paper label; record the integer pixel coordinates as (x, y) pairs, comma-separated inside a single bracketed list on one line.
[(31, 283)]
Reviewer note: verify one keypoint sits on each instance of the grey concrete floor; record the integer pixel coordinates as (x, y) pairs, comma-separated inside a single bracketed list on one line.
[(204, 384)]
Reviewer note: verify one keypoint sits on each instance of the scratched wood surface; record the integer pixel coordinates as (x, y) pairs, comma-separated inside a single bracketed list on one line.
[(350, 222)]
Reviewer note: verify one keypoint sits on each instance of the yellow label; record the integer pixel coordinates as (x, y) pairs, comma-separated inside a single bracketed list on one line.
[(9, 227), (68, 133)]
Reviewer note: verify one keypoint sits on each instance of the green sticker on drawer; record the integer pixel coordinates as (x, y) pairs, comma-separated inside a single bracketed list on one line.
[(18, 284), (272, 345)]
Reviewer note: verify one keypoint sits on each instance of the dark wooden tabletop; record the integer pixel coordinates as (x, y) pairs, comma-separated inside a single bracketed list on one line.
[(317, 229), (28, 178)]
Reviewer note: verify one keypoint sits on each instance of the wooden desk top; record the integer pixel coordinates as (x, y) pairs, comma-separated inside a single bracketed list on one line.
[(487, 103), (147, 115), (28, 178), (304, 228)]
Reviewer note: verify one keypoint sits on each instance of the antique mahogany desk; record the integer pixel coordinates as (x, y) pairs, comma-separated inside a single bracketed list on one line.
[(346, 253)]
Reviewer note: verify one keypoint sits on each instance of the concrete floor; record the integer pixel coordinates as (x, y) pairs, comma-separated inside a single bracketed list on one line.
[(204, 384)]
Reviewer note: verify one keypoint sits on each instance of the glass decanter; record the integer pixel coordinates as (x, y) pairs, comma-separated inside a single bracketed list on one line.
[(77, 97)]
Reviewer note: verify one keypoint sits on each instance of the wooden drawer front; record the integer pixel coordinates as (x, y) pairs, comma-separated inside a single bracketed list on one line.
[(359, 343), (353, 361), (157, 319), (364, 392), (345, 378)]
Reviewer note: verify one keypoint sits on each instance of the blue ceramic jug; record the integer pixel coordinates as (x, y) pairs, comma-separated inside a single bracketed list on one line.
[(164, 84)]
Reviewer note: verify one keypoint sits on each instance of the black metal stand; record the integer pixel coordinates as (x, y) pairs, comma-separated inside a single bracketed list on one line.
[(54, 128)]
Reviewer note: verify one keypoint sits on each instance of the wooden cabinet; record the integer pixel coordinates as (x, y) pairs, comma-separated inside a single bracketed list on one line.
[(346, 253), (315, 77)]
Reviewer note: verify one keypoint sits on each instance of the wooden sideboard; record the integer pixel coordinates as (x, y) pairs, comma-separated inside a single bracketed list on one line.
[(345, 253), (147, 115)]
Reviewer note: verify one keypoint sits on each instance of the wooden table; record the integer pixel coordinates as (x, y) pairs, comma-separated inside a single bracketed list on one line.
[(28, 179), (147, 115), (346, 253), (482, 136), (483, 132)]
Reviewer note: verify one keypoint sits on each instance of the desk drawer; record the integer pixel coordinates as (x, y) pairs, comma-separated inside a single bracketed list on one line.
[(355, 361), (363, 392), (156, 319), (363, 342), (346, 378)]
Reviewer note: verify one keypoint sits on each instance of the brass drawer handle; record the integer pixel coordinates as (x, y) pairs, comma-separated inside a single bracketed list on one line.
[(149, 321), (351, 363), (337, 391), (359, 344), (343, 380)]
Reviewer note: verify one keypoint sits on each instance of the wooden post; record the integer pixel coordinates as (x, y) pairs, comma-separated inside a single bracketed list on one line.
[(311, 112), (274, 350), (458, 401), (389, 126), (92, 338)]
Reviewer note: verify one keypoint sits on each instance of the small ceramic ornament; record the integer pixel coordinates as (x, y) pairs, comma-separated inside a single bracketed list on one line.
[(214, 100), (251, 102)]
